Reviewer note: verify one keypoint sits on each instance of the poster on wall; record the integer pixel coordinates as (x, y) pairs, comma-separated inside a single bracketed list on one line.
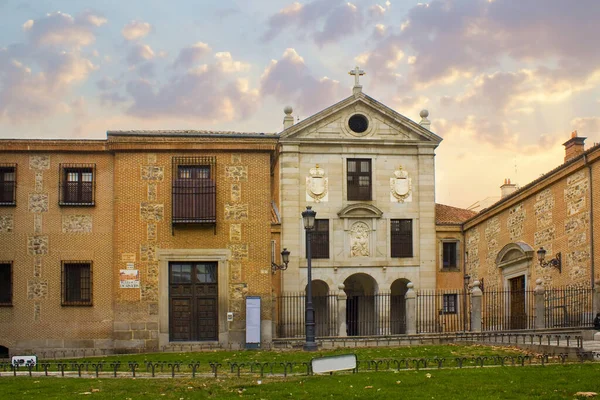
[(252, 322), (129, 279)]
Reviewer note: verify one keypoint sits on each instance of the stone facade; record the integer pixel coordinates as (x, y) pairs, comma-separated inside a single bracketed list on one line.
[(313, 171), (553, 214)]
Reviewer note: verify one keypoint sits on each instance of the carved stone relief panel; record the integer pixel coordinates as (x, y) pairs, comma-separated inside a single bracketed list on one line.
[(317, 189), (400, 186), (359, 240)]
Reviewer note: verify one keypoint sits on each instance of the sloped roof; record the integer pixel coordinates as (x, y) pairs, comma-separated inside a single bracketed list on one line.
[(451, 215), (188, 132)]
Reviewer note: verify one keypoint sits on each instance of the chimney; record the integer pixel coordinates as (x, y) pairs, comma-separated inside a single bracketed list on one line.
[(288, 120), (425, 123), (507, 188), (574, 147)]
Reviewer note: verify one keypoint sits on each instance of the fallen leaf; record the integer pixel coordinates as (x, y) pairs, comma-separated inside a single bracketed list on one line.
[(586, 394), (368, 387)]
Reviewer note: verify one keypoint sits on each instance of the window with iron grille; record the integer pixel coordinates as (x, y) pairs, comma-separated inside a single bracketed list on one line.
[(6, 283), (358, 176), (194, 190), (319, 239), (401, 238), (8, 184), (77, 283), (449, 255), (450, 303), (77, 184)]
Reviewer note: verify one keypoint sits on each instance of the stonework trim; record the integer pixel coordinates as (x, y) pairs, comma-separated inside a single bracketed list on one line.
[(164, 256), (525, 251)]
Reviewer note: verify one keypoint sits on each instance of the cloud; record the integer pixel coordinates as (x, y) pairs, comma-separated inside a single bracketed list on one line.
[(586, 126), (289, 80), (38, 76), (454, 39), (136, 30), (62, 30), (190, 55), (326, 21), (211, 92), (139, 53)]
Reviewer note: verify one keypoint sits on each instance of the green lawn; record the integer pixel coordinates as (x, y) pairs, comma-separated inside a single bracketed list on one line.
[(553, 381)]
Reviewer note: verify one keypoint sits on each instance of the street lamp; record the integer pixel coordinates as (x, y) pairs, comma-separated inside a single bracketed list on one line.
[(308, 218), (467, 278), (285, 258), (555, 262)]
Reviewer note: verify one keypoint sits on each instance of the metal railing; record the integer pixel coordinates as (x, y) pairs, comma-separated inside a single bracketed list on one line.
[(507, 310), (568, 307), (443, 311)]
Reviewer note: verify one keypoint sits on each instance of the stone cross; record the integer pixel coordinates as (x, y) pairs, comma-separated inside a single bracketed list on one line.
[(357, 72)]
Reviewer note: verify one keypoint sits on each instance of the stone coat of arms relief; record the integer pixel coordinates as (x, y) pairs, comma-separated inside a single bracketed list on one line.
[(359, 240), (400, 187), (317, 189)]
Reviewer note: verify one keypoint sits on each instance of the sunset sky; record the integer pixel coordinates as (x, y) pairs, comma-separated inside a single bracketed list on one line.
[(505, 81)]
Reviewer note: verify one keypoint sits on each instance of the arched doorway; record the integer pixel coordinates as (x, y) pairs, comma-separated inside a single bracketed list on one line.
[(398, 306), (361, 314), (321, 300), (515, 261)]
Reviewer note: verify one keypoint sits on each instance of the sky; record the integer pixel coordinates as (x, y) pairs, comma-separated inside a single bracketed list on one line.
[(505, 81)]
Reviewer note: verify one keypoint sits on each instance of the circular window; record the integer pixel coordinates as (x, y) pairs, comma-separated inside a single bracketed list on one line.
[(358, 123)]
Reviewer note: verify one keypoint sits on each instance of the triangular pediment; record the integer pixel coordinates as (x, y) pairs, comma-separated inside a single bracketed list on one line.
[(384, 124)]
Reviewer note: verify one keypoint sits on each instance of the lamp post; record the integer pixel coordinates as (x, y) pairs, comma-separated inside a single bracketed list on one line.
[(467, 278), (308, 218), (555, 262)]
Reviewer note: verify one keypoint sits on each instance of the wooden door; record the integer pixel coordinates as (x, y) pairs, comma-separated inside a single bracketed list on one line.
[(518, 317), (193, 297)]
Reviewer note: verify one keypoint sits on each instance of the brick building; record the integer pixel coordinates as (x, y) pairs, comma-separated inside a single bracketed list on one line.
[(135, 242)]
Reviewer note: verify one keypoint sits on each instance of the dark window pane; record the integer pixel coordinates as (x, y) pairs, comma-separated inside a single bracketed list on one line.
[(358, 179), (6, 283), (450, 302), (319, 239), (78, 186), (7, 185), (449, 254), (194, 195), (77, 285), (401, 238)]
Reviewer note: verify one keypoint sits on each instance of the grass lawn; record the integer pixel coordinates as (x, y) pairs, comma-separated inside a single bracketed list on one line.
[(543, 382)]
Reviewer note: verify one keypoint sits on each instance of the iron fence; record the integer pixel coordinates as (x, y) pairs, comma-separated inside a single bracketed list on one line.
[(443, 311), (291, 308), (568, 307), (507, 310)]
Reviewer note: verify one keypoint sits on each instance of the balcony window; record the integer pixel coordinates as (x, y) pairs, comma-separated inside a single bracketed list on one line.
[(194, 190), (77, 184)]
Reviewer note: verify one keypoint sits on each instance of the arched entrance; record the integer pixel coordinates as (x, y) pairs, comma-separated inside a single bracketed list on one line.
[(3, 352), (321, 304), (515, 260), (361, 314), (398, 306)]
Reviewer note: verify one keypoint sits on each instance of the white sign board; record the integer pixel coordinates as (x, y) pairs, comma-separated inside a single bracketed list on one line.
[(252, 321), (23, 361), (129, 279), (334, 363)]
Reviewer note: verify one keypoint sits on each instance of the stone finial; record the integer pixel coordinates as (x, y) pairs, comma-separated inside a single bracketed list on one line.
[(425, 123), (288, 120), (410, 285), (539, 286), (341, 286), (476, 291)]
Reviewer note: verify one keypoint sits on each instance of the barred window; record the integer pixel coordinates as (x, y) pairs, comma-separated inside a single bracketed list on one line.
[(6, 283), (358, 176), (401, 238), (449, 255), (77, 283), (319, 239), (194, 190), (77, 185), (8, 184), (450, 303)]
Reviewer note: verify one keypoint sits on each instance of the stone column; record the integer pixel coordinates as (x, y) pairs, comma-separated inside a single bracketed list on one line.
[(540, 305), (411, 309), (476, 295), (341, 303)]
